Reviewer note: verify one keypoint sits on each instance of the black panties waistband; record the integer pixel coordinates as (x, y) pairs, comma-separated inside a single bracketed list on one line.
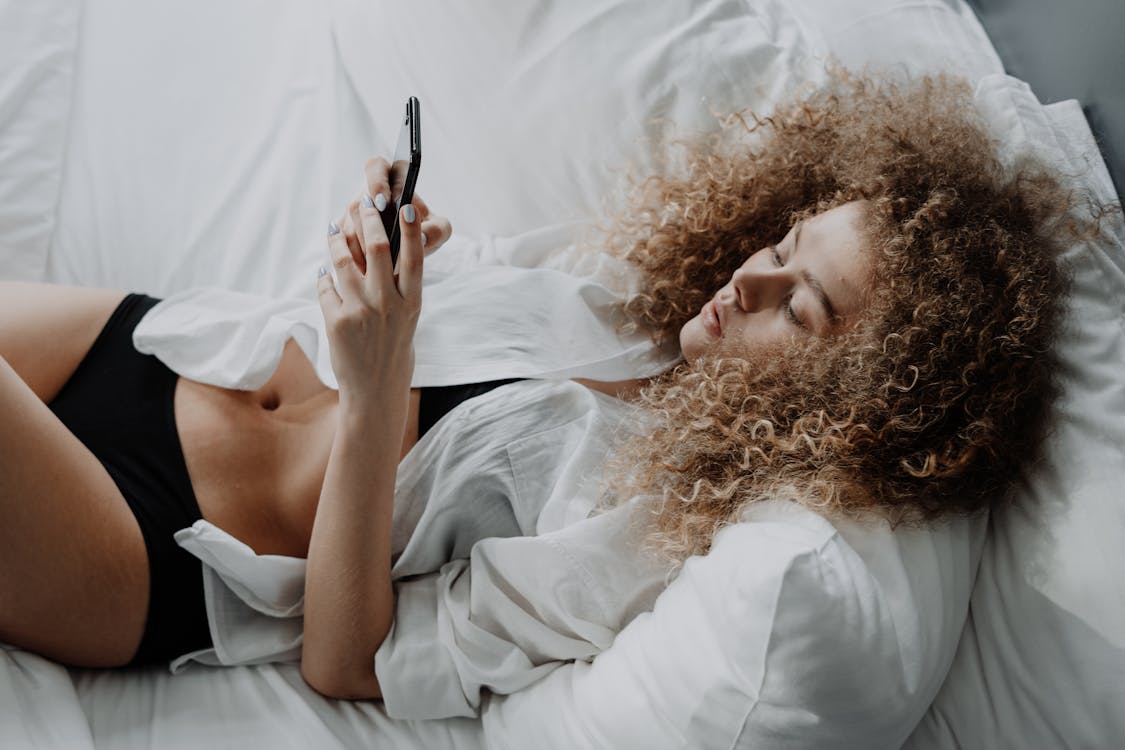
[(435, 403)]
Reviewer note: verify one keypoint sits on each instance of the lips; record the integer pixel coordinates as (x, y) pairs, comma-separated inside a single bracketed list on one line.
[(710, 317)]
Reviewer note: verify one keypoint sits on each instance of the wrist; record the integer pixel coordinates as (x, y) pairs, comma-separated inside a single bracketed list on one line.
[(370, 388), (379, 409)]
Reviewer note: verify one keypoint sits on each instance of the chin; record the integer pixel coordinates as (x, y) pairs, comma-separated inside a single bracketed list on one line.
[(691, 344)]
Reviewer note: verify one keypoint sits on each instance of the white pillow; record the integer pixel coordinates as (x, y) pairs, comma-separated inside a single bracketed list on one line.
[(790, 633), (528, 109), (911, 35), (37, 43), (1042, 659)]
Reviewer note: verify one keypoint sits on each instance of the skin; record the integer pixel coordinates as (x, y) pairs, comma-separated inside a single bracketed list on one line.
[(773, 295)]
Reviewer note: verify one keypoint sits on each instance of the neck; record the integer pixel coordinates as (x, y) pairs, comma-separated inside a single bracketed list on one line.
[(625, 390)]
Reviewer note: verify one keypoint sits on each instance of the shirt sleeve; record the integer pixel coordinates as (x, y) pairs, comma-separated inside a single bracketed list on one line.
[(232, 339), (514, 611)]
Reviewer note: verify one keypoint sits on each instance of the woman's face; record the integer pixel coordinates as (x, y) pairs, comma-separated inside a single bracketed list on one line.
[(812, 283)]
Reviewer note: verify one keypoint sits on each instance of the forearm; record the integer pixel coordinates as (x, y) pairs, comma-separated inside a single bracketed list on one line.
[(370, 315), (349, 600)]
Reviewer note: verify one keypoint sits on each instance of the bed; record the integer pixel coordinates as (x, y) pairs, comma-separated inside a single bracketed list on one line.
[(157, 147)]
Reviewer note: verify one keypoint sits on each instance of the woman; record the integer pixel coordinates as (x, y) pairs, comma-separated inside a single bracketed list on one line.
[(865, 306)]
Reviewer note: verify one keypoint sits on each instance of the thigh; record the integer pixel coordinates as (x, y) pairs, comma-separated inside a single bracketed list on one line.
[(46, 330), (73, 565)]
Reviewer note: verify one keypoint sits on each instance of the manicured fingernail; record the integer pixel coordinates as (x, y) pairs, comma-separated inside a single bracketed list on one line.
[(380, 201), (332, 228), (366, 202), (423, 239), (408, 213), (321, 272)]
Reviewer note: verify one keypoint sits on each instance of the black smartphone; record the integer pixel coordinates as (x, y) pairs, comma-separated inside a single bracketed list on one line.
[(404, 172)]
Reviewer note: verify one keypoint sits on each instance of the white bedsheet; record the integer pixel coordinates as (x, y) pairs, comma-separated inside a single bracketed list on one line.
[(199, 147)]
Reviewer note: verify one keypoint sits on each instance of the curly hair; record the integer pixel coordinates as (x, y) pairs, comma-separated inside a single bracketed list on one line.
[(933, 402)]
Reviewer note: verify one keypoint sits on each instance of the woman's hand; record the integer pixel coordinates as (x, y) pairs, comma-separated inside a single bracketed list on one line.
[(436, 229), (371, 313)]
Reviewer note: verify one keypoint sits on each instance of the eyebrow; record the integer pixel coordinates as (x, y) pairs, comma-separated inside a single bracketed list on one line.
[(813, 282)]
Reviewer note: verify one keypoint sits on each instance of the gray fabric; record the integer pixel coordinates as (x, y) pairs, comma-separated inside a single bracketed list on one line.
[(1068, 50)]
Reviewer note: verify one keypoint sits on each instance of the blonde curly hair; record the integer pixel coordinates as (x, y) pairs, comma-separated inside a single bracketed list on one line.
[(932, 403)]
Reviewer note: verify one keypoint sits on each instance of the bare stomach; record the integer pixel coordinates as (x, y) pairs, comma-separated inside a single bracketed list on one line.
[(257, 458)]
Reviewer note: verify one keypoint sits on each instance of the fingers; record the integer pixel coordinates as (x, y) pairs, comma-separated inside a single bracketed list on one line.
[(376, 249), (360, 251), (326, 292), (353, 232), (410, 255), (435, 232), (377, 170), (347, 274), (421, 207)]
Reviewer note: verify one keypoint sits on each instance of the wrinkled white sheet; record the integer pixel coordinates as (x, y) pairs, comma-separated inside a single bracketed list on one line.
[(37, 50)]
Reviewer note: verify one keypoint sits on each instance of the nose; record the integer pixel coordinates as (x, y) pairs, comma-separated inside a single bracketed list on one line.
[(759, 288)]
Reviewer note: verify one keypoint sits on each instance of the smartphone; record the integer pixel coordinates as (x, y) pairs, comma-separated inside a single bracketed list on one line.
[(404, 172)]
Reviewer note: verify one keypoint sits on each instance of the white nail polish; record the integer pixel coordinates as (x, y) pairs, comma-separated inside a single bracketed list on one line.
[(380, 201), (408, 213), (423, 239)]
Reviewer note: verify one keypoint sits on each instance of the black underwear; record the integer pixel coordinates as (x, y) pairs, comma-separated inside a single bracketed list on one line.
[(119, 404), (435, 403)]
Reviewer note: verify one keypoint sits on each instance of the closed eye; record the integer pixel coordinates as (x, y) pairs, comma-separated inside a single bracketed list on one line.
[(789, 313)]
